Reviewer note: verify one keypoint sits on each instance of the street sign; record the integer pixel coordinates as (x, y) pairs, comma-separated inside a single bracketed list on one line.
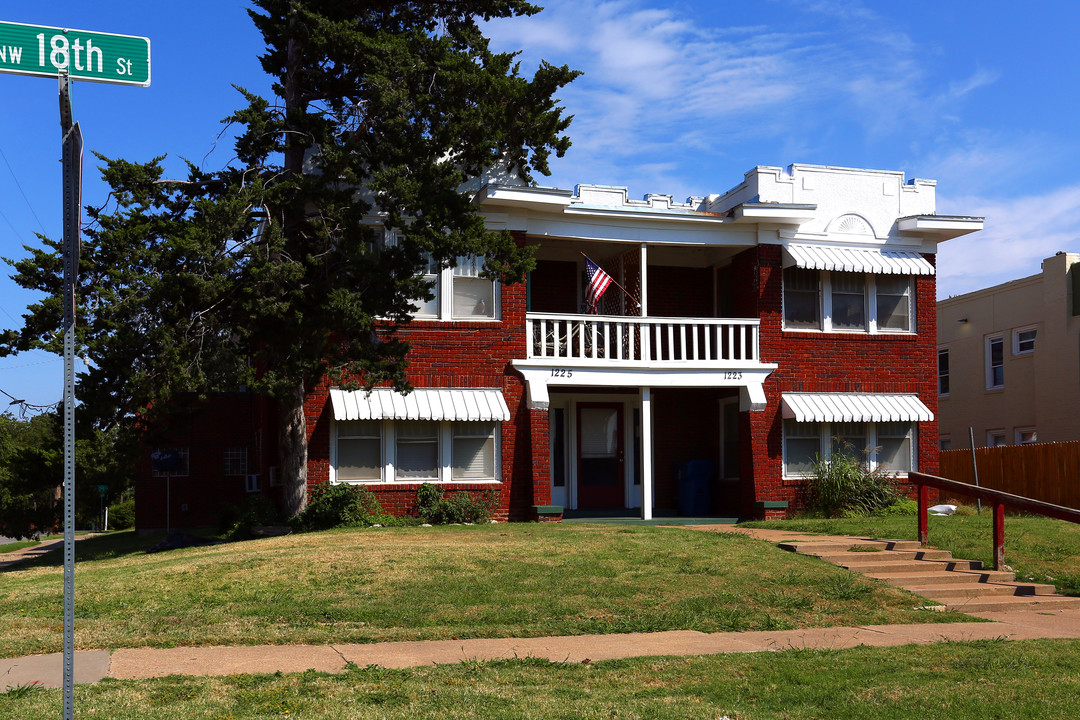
[(83, 55)]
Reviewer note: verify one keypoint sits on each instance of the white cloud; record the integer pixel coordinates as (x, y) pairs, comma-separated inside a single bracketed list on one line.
[(1019, 233)]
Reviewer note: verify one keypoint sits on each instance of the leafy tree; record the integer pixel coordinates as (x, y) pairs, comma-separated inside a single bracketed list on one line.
[(30, 475), (270, 273)]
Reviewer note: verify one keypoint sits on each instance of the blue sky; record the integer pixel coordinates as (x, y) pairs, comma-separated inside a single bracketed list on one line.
[(678, 97)]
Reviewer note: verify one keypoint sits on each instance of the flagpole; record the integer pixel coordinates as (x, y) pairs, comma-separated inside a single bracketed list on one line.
[(613, 282)]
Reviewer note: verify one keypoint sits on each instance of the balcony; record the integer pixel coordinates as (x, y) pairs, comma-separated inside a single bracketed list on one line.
[(652, 341), (645, 352)]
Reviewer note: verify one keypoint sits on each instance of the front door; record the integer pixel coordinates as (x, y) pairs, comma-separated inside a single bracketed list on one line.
[(600, 456)]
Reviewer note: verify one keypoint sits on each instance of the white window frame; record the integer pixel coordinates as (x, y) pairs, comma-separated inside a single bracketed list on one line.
[(1017, 350), (232, 455), (996, 433), (870, 307), (825, 436), (1018, 436), (444, 464), (442, 286), (948, 371), (989, 366), (183, 467)]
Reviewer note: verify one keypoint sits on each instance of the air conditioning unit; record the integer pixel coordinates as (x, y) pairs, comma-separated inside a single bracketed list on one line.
[(253, 484)]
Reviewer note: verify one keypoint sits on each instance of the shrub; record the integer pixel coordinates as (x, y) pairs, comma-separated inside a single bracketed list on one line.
[(122, 515), (842, 486), (460, 507), (331, 506), (235, 522)]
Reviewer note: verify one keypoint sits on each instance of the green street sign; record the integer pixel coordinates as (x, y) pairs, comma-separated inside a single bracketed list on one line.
[(83, 55)]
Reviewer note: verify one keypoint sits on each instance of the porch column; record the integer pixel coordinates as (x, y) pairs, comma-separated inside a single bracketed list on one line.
[(646, 454), (644, 280)]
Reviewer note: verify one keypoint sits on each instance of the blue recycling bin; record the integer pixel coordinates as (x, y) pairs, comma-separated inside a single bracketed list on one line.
[(694, 483)]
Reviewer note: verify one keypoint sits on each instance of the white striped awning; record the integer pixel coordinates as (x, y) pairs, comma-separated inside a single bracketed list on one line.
[(852, 259), (420, 404), (854, 407)]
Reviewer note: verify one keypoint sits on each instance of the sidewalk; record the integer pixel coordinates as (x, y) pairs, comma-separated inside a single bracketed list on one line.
[(139, 663)]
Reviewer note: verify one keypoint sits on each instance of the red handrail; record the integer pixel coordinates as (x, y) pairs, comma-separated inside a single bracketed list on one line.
[(998, 500)]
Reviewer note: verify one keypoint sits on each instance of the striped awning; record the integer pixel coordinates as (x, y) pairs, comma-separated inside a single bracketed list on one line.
[(851, 259), (420, 404), (854, 407)]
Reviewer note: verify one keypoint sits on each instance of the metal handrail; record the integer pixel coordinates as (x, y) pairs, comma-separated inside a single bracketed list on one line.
[(998, 500)]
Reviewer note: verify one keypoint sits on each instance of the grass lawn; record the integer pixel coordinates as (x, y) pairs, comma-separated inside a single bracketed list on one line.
[(1034, 680), (1037, 548), (18, 545), (517, 580)]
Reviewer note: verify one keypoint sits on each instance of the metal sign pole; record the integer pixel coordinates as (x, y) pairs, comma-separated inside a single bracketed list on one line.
[(72, 155)]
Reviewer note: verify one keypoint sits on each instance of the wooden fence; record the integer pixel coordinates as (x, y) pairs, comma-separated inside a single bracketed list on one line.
[(1048, 472)]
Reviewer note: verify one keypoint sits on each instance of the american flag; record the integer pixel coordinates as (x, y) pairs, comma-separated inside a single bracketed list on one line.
[(598, 284)]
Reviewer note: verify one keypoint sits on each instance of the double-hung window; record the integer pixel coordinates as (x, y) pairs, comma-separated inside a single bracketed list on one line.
[(995, 362), (359, 450), (943, 371), (235, 461), (1024, 341), (834, 301), (460, 293), (417, 450)]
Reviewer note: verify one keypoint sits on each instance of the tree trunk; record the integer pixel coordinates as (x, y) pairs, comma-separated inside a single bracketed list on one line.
[(293, 450)]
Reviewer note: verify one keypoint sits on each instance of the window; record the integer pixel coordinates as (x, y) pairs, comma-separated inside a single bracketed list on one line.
[(474, 451), (370, 451), (417, 450), (995, 438), (893, 303), (1026, 436), (359, 450), (943, 371), (1024, 341), (802, 306), (995, 362), (847, 301), (471, 297), (235, 461), (179, 469), (945, 443), (253, 483), (887, 445)]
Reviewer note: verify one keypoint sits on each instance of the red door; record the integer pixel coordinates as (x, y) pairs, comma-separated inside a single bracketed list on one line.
[(600, 456)]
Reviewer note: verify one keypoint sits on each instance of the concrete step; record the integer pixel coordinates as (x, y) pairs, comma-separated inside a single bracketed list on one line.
[(849, 559), (825, 547), (940, 576), (982, 590), (1010, 602), (916, 567)]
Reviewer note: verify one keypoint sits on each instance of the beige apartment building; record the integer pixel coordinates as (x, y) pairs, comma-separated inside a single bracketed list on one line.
[(1009, 360)]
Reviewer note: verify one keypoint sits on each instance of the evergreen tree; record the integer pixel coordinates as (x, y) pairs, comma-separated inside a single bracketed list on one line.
[(271, 273)]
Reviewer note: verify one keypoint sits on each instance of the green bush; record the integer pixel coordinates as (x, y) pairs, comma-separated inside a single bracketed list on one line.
[(460, 507), (235, 522), (122, 515), (841, 486), (343, 505)]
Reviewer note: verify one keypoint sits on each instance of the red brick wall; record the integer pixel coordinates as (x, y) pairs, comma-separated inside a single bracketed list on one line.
[(680, 291), (461, 355), (827, 362), (223, 421), (554, 287)]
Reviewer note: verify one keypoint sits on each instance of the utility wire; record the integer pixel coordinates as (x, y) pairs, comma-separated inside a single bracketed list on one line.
[(23, 193)]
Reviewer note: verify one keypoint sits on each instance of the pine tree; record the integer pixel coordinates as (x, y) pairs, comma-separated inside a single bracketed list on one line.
[(271, 273)]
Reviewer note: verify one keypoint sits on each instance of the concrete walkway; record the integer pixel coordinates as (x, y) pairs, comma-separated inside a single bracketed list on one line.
[(140, 663)]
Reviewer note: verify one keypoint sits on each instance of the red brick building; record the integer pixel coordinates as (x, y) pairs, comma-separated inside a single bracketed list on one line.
[(751, 331)]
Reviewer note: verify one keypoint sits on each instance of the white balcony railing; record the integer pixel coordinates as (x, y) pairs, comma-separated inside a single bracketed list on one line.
[(608, 339)]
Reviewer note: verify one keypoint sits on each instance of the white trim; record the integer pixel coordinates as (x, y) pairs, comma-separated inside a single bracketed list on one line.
[(1019, 432), (988, 368)]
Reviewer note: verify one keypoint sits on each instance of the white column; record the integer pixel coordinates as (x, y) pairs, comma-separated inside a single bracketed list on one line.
[(644, 280), (646, 454)]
